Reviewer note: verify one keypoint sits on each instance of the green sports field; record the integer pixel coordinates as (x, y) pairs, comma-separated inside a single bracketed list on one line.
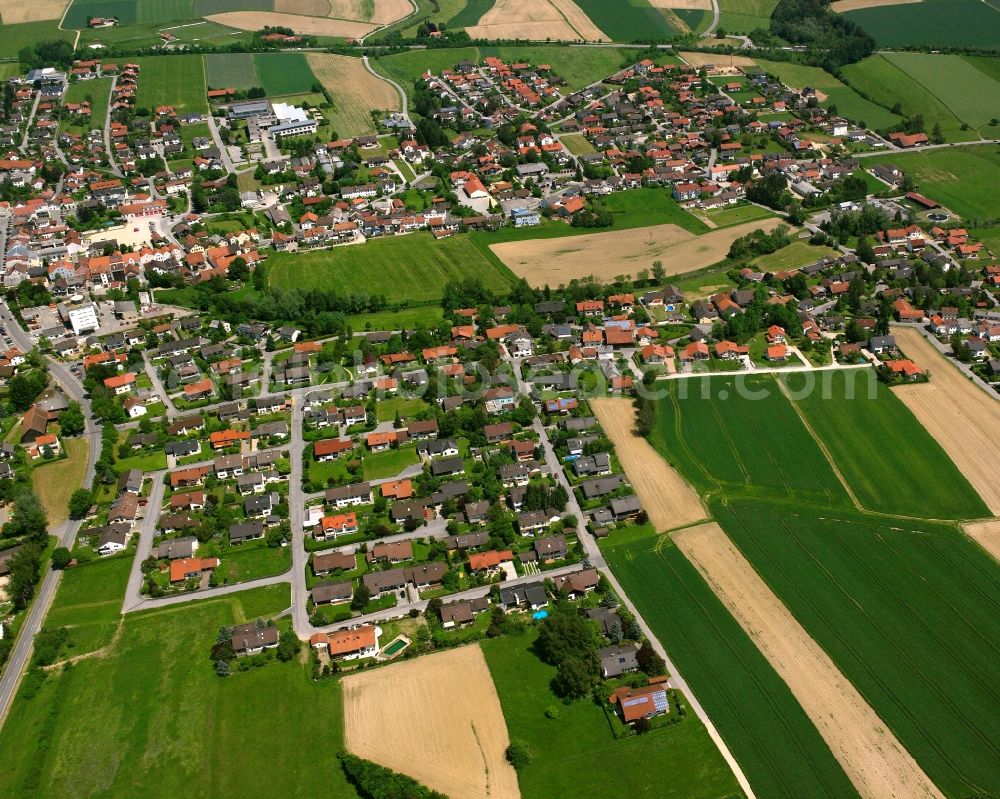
[(576, 754), (770, 735), (907, 610), (933, 23), (744, 16), (887, 457), (284, 73), (412, 268), (849, 103), (739, 433), (231, 71), (177, 80), (632, 21), (961, 178)]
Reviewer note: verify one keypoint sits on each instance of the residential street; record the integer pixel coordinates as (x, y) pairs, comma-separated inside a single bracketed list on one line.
[(144, 548)]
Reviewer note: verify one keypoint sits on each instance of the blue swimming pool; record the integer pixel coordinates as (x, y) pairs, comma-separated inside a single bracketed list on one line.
[(539, 614)]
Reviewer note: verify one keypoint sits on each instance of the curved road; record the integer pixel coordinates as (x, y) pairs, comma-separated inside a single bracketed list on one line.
[(391, 82), (66, 532)]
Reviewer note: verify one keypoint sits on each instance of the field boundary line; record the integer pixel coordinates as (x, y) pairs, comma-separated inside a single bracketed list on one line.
[(819, 442)]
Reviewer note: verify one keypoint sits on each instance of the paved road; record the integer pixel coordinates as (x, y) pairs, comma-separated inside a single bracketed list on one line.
[(107, 132), (210, 593), (396, 86), (31, 117), (227, 162), (66, 533), (133, 592), (710, 30), (154, 376), (296, 516)]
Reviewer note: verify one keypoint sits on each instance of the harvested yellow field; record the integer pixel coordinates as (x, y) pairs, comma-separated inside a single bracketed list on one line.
[(701, 59), (311, 26), (437, 719), (310, 8), (963, 418), (693, 5), (556, 261), (355, 92), (987, 535), (388, 11), (667, 499), (865, 747), (536, 20), (13, 12), (854, 5)]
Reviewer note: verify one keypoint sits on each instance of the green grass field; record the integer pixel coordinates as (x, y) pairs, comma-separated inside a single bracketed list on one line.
[(744, 16), (969, 93), (404, 319), (88, 602), (579, 66), (55, 482), (770, 735), (961, 178), (471, 12), (888, 459), (740, 433), (203, 8), (81, 10), (284, 73), (909, 614), (795, 255), (577, 144), (8, 69), (177, 80), (153, 713), (231, 70), (633, 21), (98, 92), (986, 65), (411, 268), (240, 564), (737, 215), (933, 23), (27, 34), (404, 68), (849, 103), (576, 754), (881, 79)]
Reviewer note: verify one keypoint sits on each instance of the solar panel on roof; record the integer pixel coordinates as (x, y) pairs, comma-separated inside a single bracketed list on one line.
[(630, 702), (660, 702)]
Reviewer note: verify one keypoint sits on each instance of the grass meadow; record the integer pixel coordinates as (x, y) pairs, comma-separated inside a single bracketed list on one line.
[(722, 441), (770, 735), (407, 269), (231, 71), (471, 12), (576, 753), (932, 23), (99, 93), (634, 21), (404, 68), (284, 73), (89, 601), (152, 712), (15, 37), (961, 178), (889, 460), (579, 66), (849, 103), (744, 16), (177, 80), (909, 613), (55, 482)]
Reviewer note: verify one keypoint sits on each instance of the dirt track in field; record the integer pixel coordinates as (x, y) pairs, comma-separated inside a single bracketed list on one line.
[(960, 416), (987, 535), (536, 20), (667, 499), (311, 26), (437, 719), (13, 12), (558, 260), (355, 92), (853, 5), (865, 747)]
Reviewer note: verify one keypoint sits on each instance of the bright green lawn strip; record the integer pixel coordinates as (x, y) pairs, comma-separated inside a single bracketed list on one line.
[(389, 463), (577, 144), (243, 563), (961, 178), (177, 80), (28, 34), (773, 740), (970, 94), (578, 66), (406, 407), (907, 611), (284, 73), (795, 255), (144, 462), (727, 217), (412, 268), (990, 237), (98, 92), (738, 432), (576, 754), (90, 593), (153, 713), (891, 462), (405, 68), (397, 320)]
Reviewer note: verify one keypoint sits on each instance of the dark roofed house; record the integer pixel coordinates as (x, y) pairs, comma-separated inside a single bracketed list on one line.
[(253, 638), (327, 562), (617, 660), (551, 548), (332, 593), (531, 594), (601, 486), (247, 531), (379, 583)]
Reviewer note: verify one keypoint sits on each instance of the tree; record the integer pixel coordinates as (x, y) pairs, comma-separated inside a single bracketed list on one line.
[(289, 645), (573, 679), (80, 503), (361, 597), (25, 388), (222, 668), (71, 421), (238, 269), (24, 568), (519, 754), (27, 519), (61, 558), (649, 661)]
